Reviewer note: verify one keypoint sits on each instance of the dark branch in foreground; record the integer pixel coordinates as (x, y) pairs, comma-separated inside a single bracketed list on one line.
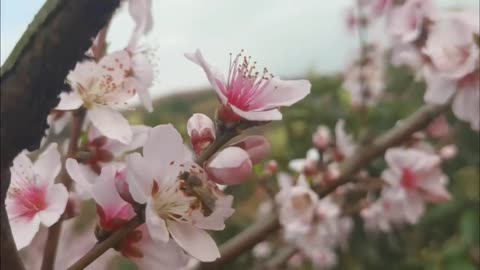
[(362, 157), (32, 78)]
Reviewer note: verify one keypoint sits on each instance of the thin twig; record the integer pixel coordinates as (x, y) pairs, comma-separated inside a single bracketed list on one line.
[(103, 246)]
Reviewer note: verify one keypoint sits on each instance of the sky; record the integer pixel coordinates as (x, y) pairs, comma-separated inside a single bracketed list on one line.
[(290, 38)]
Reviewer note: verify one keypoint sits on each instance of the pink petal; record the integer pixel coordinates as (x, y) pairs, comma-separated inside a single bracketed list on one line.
[(156, 225), (104, 191), (22, 168), (231, 166), (56, 198), (111, 123), (165, 146), (69, 101), (140, 135), (23, 230), (257, 147), (48, 165), (139, 177), (439, 89), (215, 77), (79, 177), (466, 105), (270, 115), (141, 12), (281, 93), (194, 241)]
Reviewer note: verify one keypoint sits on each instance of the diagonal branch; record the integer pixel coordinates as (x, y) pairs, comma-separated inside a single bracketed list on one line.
[(362, 157), (33, 76)]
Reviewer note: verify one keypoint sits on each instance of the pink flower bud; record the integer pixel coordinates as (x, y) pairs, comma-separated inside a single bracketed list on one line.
[(271, 167), (322, 137), (448, 151), (201, 130), (231, 166), (439, 128), (257, 147)]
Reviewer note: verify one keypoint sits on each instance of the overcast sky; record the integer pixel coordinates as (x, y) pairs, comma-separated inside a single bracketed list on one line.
[(290, 37)]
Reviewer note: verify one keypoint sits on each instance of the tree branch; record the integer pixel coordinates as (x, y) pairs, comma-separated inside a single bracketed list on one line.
[(362, 157), (32, 78)]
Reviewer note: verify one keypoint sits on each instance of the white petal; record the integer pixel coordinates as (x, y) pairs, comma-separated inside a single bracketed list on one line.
[(22, 168), (194, 241), (156, 225), (77, 175), (281, 93), (111, 123), (23, 230), (439, 89), (48, 165), (269, 115), (215, 77), (163, 146), (56, 198), (69, 101), (104, 191), (139, 177)]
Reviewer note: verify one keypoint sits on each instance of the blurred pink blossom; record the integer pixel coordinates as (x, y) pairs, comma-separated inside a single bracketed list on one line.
[(201, 130)]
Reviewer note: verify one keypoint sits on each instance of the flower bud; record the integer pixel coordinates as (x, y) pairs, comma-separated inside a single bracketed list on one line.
[(448, 152), (322, 137), (231, 166), (201, 130), (271, 167), (257, 147)]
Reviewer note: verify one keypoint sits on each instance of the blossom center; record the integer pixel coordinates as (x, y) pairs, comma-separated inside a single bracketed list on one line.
[(409, 179), (244, 82)]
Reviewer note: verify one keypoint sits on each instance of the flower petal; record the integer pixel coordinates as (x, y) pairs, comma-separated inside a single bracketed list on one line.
[(56, 199), (23, 230), (104, 192), (111, 123), (281, 93), (156, 225), (48, 165), (269, 115), (214, 76), (194, 241), (69, 101), (164, 146), (139, 177), (77, 175)]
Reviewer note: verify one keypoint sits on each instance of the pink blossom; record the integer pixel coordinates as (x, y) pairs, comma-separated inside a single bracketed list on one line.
[(407, 21), (158, 178), (271, 167), (257, 147), (417, 172), (101, 87), (364, 79), (344, 144), (454, 68), (322, 137), (231, 166), (448, 151), (248, 94), (308, 165), (201, 130), (113, 212), (297, 205), (33, 198)]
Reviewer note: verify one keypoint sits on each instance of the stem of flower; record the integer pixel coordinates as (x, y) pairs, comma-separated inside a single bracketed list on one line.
[(53, 237), (103, 246)]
